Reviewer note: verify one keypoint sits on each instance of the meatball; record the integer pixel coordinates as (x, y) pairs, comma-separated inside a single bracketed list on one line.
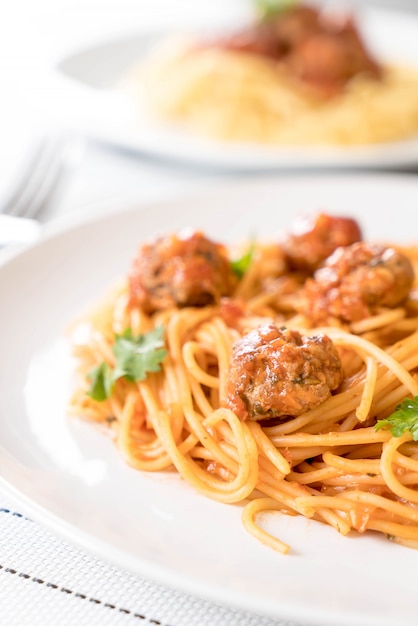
[(320, 51), (314, 237), (184, 269), (278, 372), (355, 281), (295, 25), (276, 36), (330, 57)]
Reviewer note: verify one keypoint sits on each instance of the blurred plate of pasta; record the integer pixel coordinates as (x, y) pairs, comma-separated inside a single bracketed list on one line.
[(68, 475), (211, 97)]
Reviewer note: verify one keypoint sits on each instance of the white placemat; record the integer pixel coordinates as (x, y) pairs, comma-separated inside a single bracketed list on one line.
[(47, 581)]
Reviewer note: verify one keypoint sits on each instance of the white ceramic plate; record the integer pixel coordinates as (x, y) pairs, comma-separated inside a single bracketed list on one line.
[(69, 476), (87, 80)]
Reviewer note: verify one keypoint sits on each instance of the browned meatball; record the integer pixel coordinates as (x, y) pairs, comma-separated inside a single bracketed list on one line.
[(355, 281), (330, 57), (322, 53), (184, 269), (277, 372), (313, 238), (295, 24), (276, 36)]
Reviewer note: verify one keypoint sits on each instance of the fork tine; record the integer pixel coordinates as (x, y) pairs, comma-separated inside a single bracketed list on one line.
[(37, 195), (26, 177), (42, 177), (30, 179)]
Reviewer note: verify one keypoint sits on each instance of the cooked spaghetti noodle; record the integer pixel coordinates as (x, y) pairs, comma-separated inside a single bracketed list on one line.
[(223, 95), (327, 463)]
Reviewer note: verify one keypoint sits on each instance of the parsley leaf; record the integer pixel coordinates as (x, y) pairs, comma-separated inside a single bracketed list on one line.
[(267, 9), (242, 263), (134, 358), (101, 382), (405, 417)]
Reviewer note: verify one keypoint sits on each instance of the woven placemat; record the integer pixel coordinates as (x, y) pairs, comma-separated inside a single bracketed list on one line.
[(45, 580)]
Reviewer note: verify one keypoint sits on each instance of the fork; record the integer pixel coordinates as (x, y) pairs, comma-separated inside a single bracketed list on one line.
[(45, 173)]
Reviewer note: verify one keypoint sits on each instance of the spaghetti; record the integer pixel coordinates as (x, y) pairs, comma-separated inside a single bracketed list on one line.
[(327, 462)]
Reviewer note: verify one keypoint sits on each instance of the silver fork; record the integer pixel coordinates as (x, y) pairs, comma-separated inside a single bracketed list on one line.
[(42, 179)]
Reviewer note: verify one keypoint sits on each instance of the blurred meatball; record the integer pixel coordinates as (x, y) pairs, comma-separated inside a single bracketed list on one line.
[(320, 51), (278, 372), (355, 281), (180, 270), (276, 36), (331, 56), (313, 238)]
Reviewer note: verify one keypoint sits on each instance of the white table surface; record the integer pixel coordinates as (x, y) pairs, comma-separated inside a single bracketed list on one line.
[(43, 580)]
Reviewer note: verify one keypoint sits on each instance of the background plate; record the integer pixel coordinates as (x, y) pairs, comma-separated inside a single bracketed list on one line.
[(87, 81)]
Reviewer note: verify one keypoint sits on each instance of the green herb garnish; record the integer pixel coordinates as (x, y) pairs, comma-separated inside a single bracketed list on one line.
[(101, 378), (135, 358), (267, 9), (242, 263), (405, 417)]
